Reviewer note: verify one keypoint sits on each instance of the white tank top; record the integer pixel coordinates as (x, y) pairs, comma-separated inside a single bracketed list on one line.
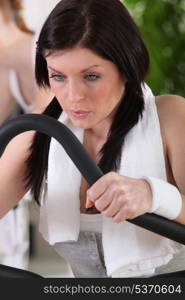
[(91, 222)]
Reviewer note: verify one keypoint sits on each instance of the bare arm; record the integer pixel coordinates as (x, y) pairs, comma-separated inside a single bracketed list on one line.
[(120, 197), (12, 171), (171, 111), (12, 163)]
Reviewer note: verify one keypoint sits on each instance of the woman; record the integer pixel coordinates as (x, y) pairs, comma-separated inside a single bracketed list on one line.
[(92, 56), (17, 88), (16, 60)]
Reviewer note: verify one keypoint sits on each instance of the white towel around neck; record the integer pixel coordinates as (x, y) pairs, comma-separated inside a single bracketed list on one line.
[(124, 243)]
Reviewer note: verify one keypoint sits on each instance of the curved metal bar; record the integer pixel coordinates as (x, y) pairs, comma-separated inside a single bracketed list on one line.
[(85, 165), (10, 272)]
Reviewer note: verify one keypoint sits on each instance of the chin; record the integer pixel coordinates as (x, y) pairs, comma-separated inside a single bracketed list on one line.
[(81, 124)]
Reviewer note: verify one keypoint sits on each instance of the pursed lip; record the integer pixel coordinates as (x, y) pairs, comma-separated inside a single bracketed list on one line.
[(80, 113)]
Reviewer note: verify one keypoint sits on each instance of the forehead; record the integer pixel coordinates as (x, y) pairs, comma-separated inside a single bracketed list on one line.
[(76, 58), (70, 52)]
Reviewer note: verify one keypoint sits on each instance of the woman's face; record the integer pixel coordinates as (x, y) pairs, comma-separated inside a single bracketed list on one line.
[(88, 87)]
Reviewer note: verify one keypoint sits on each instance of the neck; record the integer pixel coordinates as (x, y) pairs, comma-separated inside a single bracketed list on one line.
[(95, 138), (6, 22), (5, 11), (16, 45), (100, 131)]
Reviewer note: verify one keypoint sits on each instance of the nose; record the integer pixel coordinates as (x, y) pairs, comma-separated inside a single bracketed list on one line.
[(75, 91)]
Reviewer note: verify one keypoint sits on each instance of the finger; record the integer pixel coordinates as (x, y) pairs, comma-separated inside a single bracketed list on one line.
[(114, 207), (122, 215), (113, 198), (89, 203), (100, 186), (104, 201)]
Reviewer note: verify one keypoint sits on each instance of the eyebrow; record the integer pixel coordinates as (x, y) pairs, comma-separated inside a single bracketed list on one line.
[(80, 72)]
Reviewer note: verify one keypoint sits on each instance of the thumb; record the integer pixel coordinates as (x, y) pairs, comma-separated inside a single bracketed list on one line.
[(89, 203)]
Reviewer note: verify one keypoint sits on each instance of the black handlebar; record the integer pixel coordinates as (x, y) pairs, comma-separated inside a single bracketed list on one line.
[(10, 272), (91, 172)]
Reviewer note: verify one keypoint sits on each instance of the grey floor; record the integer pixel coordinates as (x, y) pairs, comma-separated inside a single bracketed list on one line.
[(48, 263)]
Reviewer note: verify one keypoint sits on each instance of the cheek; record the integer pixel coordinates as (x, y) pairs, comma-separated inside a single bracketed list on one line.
[(58, 92), (62, 102), (53, 87), (111, 94)]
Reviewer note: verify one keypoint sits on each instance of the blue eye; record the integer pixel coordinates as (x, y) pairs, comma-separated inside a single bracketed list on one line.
[(57, 77), (92, 77)]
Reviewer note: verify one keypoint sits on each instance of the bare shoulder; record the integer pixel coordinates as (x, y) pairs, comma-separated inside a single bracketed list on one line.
[(170, 107), (171, 112)]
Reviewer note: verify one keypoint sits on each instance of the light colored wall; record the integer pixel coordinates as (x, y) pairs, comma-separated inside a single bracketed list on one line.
[(36, 11)]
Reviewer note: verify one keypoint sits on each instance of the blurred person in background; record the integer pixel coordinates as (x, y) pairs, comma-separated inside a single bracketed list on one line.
[(18, 91), (16, 62), (19, 94)]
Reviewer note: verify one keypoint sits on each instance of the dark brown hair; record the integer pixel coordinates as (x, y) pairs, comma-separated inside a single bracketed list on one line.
[(106, 28)]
